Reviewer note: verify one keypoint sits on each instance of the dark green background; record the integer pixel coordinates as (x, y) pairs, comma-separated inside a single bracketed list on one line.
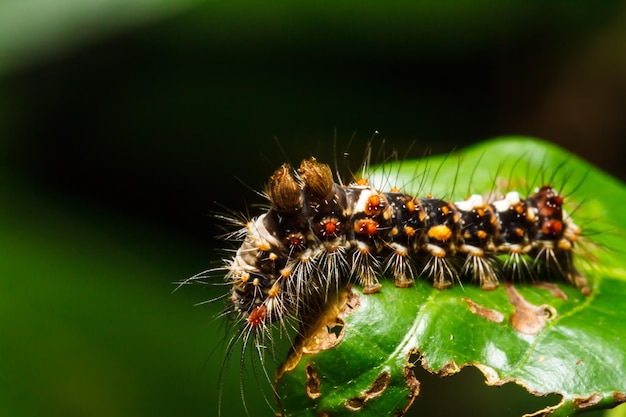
[(123, 123)]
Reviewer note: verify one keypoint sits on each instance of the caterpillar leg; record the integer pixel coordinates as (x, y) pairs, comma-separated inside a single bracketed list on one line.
[(479, 229), (399, 263), (558, 262), (438, 268), (365, 267), (480, 268), (516, 266)]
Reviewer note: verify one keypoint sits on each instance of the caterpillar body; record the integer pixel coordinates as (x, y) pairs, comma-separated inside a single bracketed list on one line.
[(319, 234)]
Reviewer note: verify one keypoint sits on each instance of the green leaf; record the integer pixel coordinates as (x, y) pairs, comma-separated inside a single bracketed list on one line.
[(547, 337)]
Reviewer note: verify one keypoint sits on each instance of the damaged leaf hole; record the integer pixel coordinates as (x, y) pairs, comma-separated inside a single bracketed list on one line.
[(313, 382), (528, 318), (486, 313), (464, 392), (328, 329), (379, 386), (336, 329), (549, 312)]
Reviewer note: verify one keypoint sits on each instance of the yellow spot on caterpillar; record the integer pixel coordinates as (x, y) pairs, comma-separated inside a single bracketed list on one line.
[(440, 232), (273, 292), (286, 272)]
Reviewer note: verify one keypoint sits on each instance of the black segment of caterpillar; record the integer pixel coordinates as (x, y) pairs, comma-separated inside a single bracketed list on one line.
[(318, 235)]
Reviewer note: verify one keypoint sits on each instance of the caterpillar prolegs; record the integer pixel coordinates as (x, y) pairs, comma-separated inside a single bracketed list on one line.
[(319, 234)]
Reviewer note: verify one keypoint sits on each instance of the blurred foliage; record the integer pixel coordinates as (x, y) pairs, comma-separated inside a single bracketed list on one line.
[(123, 122)]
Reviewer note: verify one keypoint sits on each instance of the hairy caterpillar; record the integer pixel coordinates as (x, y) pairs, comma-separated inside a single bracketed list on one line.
[(318, 235)]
